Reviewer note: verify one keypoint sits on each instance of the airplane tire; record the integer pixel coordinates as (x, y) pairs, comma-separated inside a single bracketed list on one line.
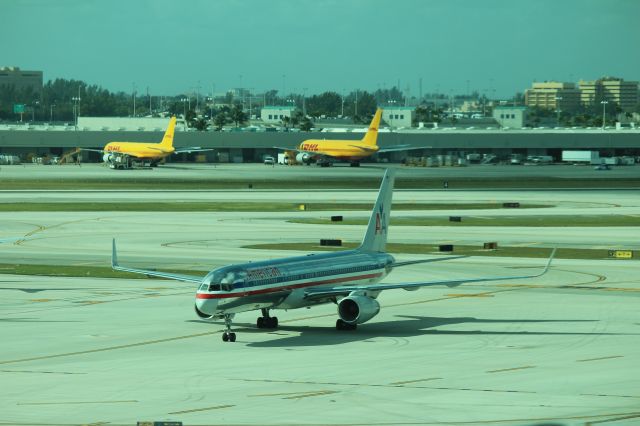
[(274, 322), (260, 322), (225, 337), (232, 337), (341, 325)]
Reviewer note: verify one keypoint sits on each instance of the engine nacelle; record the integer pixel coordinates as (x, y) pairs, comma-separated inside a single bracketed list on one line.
[(303, 157), (202, 314), (107, 158), (357, 309)]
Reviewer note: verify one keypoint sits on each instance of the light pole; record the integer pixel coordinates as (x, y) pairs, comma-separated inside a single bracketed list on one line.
[(356, 110), (304, 106), (342, 107), (184, 104), (51, 107), (604, 112), (558, 99), (33, 111), (134, 99), (392, 104), (76, 109)]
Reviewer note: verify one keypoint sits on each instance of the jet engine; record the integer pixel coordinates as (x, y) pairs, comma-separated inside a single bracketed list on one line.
[(202, 314), (357, 309), (107, 158), (303, 157)]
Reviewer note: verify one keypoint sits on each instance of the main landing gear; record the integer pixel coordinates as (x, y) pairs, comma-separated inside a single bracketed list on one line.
[(228, 335), (265, 321)]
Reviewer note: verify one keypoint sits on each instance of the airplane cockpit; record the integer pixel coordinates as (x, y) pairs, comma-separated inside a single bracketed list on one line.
[(224, 279)]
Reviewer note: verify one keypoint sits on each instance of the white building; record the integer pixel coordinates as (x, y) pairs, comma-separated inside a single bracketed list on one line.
[(398, 116), (275, 114), (513, 117)]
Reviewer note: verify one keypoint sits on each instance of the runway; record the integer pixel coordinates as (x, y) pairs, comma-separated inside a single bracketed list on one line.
[(562, 348)]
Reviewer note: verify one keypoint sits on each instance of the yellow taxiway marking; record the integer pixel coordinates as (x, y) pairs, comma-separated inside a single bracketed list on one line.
[(78, 402), (215, 407), (406, 382), (310, 394), (469, 295), (524, 367), (109, 348), (38, 372), (599, 359), (41, 300)]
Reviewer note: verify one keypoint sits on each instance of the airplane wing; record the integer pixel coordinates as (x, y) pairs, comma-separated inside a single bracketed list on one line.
[(191, 149), (177, 277), (92, 150), (291, 149), (402, 148), (323, 293), (413, 262)]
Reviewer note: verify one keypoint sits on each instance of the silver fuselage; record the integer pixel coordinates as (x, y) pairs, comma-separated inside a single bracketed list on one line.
[(282, 283)]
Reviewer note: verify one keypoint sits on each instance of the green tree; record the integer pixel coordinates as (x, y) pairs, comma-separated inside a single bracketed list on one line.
[(238, 116), (306, 124), (220, 120), (200, 124)]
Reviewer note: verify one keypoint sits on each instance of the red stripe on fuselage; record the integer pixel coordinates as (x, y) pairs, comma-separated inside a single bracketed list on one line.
[(283, 287)]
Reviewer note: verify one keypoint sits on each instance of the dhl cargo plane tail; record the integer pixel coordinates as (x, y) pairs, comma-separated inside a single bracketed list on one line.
[(125, 155), (323, 151)]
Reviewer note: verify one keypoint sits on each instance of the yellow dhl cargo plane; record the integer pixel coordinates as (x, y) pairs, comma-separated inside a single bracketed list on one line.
[(323, 151), (124, 155)]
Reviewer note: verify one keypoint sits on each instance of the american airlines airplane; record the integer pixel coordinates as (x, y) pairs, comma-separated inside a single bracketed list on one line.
[(347, 278)]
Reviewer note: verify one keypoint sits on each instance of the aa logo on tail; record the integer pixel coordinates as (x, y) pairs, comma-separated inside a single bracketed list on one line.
[(381, 226)]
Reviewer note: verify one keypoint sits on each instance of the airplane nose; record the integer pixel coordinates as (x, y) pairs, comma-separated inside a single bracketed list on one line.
[(205, 308)]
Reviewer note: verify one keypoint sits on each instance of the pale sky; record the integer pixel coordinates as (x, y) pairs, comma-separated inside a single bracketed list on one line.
[(172, 46)]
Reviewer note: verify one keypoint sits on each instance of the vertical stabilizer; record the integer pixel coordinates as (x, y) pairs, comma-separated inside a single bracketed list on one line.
[(376, 237), (167, 140), (371, 137)]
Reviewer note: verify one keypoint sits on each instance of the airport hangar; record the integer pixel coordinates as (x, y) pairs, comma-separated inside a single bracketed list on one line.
[(253, 146)]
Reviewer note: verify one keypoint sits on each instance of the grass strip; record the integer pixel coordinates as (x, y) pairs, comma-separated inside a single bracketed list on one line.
[(466, 250), (234, 206), (77, 271), (122, 182), (526, 221)]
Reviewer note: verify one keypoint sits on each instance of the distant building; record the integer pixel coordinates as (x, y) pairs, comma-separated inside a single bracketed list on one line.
[(398, 116), (514, 117), (553, 95), (611, 89), (275, 114), (14, 76)]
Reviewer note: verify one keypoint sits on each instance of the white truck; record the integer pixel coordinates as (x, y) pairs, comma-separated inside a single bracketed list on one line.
[(585, 157)]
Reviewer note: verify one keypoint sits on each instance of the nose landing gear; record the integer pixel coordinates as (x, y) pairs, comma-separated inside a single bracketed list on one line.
[(228, 335)]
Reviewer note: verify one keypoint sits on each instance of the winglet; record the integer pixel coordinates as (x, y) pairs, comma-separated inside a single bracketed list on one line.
[(553, 253), (114, 256)]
